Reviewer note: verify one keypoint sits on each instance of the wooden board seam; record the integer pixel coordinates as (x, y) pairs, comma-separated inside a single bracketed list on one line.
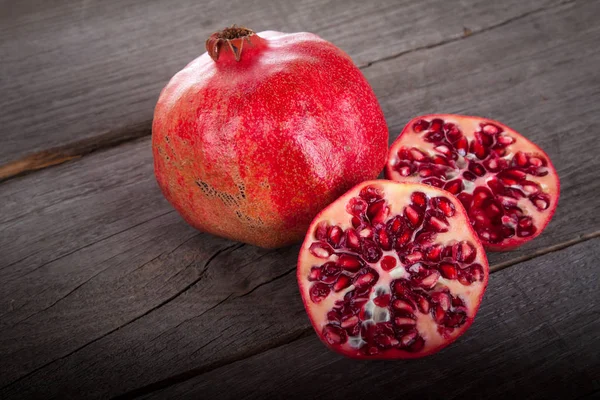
[(79, 148)]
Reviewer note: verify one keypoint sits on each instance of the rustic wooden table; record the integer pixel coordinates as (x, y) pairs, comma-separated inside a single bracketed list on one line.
[(104, 290)]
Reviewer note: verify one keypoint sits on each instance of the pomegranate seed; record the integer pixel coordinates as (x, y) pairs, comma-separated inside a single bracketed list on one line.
[(476, 168), (439, 160), (511, 176), (457, 302), (455, 319), (481, 196), (370, 251), (438, 314), (402, 305), (486, 140), (507, 201), (349, 262), (479, 149), (537, 161), (521, 159), (490, 129), (453, 134), (425, 172), (318, 292), (388, 263), (443, 299), (342, 283), (408, 339), (371, 193), (352, 239), (378, 212), (349, 322), (541, 201), (492, 165), (476, 272), (530, 187), (434, 182), (404, 321), (438, 225), (465, 252), (505, 140), (366, 232), (413, 257), (436, 125), (384, 240), (448, 271), (423, 238), (443, 149), (320, 250), (367, 277), (469, 176), (315, 274), (455, 186), (333, 316), (403, 239), (335, 236), (417, 154), (417, 345), (434, 253), (330, 272), (334, 335), (321, 231), (462, 146), (430, 281), (356, 206), (444, 205), (414, 217), (404, 168), (419, 199), (420, 125), (382, 301), (433, 137)]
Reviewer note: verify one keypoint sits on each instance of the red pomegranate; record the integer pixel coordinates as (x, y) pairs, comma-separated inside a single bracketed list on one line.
[(254, 137), (391, 270), (507, 184)]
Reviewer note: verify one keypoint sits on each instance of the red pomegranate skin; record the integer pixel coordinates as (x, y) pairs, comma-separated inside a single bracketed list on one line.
[(252, 150)]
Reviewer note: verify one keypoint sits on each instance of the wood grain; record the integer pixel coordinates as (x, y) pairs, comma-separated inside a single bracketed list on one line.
[(84, 75), (535, 337), (105, 289)]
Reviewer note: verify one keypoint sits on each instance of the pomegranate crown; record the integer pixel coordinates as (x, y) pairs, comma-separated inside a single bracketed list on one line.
[(233, 37)]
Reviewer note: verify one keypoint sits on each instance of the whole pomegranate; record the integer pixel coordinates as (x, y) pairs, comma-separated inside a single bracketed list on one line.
[(257, 135), (507, 184), (391, 270)]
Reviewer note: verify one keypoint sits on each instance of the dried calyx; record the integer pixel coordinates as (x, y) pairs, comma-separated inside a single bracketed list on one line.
[(231, 38)]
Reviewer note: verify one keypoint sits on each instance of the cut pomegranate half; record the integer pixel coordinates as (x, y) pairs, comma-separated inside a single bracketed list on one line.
[(506, 183), (391, 270)]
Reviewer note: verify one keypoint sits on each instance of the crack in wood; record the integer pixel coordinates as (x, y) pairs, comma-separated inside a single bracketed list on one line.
[(161, 304), (184, 376)]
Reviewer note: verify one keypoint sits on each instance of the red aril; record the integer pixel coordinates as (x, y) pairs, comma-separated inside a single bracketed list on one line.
[(507, 184), (252, 139), (404, 300)]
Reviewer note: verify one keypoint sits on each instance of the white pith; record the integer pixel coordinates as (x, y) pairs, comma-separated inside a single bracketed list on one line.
[(468, 126), (397, 197)]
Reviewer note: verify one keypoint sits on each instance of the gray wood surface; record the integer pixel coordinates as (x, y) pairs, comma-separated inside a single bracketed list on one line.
[(104, 290), (535, 337), (78, 76)]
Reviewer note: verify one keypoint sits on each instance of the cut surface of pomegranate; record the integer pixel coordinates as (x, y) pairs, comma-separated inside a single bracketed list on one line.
[(391, 270), (507, 184)]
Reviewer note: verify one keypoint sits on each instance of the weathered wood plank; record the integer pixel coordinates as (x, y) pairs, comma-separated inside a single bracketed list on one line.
[(104, 298), (535, 338), (72, 71)]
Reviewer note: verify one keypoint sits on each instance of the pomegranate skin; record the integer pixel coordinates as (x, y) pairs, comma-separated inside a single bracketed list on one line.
[(252, 150)]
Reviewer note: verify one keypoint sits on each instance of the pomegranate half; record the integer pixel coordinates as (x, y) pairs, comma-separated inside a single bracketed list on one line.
[(391, 270), (507, 184), (254, 137)]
